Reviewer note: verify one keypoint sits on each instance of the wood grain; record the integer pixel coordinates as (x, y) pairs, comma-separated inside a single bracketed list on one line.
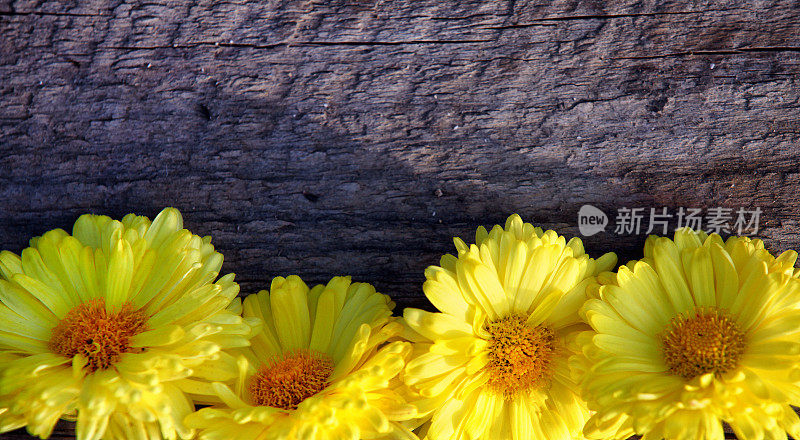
[(358, 137)]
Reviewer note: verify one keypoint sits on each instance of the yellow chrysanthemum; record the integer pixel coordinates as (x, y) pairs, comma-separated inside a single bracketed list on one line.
[(494, 364), (321, 369), (113, 326), (697, 333)]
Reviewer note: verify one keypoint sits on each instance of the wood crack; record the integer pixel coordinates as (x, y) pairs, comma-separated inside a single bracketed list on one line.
[(53, 14), (719, 52), (291, 43), (541, 21), (388, 43)]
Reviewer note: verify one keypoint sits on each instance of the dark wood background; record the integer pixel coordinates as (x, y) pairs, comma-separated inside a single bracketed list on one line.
[(328, 137)]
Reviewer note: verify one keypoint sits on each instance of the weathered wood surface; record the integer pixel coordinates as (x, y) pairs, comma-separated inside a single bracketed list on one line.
[(357, 137)]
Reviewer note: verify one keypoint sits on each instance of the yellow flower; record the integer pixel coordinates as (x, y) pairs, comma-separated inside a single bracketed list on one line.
[(321, 369), (115, 326), (697, 333), (494, 364)]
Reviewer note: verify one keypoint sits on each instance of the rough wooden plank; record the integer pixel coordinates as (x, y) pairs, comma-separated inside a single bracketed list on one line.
[(358, 137)]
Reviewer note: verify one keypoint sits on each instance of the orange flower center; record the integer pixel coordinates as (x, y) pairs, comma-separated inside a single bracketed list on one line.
[(703, 342), (98, 335), (519, 355), (286, 382)]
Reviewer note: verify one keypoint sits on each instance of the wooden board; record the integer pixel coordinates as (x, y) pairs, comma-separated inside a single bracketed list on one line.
[(358, 137)]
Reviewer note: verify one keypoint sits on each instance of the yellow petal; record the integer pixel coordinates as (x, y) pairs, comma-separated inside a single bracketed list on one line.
[(701, 278), (166, 223), (671, 275), (291, 316), (444, 292), (323, 322), (25, 304), (120, 273), (542, 259), (158, 337), (436, 325)]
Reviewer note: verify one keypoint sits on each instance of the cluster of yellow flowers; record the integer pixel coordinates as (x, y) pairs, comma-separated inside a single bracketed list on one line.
[(125, 328)]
